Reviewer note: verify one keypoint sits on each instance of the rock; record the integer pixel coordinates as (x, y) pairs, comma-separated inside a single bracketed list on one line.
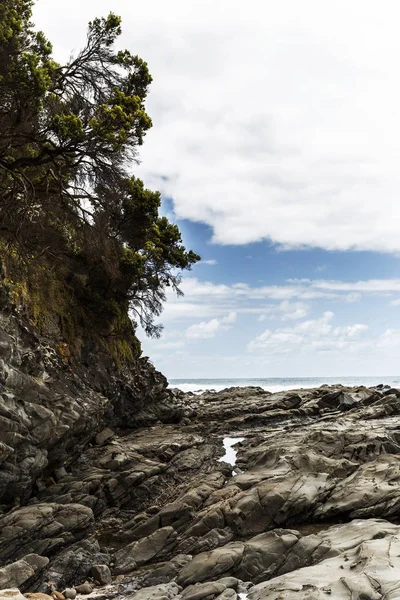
[(141, 552), (373, 490), (203, 591), (101, 573), (58, 595), (209, 565), (104, 435), (257, 559), (264, 554), (339, 400), (230, 582), (38, 596), (60, 473), (104, 469), (84, 588), (73, 564), (177, 393), (11, 594), (70, 593), (244, 587), (365, 572), (290, 401), (40, 527), (157, 592), (168, 570), (49, 413), (22, 571), (228, 594)]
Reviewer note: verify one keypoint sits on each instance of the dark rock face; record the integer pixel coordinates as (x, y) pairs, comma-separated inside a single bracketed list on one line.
[(42, 528), (49, 414), (116, 484)]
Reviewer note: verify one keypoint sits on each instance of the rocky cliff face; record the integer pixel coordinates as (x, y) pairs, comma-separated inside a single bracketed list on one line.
[(50, 411), (113, 485)]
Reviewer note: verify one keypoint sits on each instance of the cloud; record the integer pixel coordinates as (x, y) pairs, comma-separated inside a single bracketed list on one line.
[(231, 318), (177, 345), (286, 311), (293, 288), (316, 335), (353, 297), (267, 124), (208, 329), (294, 311), (389, 339), (286, 302), (191, 286), (212, 261), (206, 299), (369, 285)]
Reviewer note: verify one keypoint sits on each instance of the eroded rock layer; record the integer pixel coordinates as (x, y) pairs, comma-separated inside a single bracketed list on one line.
[(113, 486)]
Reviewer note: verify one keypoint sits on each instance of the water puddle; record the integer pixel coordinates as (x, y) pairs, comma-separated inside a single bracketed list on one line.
[(230, 453), (316, 528)]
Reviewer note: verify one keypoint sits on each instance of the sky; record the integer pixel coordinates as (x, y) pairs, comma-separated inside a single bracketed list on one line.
[(276, 147)]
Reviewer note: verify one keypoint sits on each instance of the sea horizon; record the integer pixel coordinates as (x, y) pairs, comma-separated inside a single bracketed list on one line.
[(277, 384)]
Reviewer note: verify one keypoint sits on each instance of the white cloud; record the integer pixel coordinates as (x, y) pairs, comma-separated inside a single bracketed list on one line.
[(353, 297), (314, 335), (212, 261), (179, 309), (231, 318), (267, 123), (285, 311), (389, 339), (203, 299), (291, 312), (177, 345), (208, 329), (350, 331), (286, 302), (203, 330), (369, 285), (395, 302), (193, 287), (294, 288)]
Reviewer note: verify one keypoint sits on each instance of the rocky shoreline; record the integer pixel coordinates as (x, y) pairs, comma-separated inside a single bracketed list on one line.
[(119, 489)]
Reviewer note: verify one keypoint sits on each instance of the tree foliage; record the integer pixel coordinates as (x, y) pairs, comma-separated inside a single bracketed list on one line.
[(69, 135)]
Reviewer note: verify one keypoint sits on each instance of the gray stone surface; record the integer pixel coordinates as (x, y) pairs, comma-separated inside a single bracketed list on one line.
[(365, 564), (17, 573), (141, 552), (11, 594), (101, 573), (110, 478)]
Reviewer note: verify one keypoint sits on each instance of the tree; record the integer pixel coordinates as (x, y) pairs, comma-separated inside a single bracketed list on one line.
[(69, 135)]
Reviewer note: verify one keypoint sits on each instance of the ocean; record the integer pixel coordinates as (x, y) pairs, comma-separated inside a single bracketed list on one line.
[(277, 384)]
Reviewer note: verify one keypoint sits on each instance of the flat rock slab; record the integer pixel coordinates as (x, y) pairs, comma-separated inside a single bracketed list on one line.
[(157, 513)]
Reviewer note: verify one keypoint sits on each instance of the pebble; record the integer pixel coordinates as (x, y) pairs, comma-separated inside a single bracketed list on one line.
[(57, 595), (84, 588)]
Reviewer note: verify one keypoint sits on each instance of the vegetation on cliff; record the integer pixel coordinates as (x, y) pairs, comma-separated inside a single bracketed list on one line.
[(80, 237)]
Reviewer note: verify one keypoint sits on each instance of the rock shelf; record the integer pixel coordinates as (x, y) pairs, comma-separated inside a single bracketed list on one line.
[(128, 494)]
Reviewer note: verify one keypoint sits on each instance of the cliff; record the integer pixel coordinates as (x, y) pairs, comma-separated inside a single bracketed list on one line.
[(53, 406)]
